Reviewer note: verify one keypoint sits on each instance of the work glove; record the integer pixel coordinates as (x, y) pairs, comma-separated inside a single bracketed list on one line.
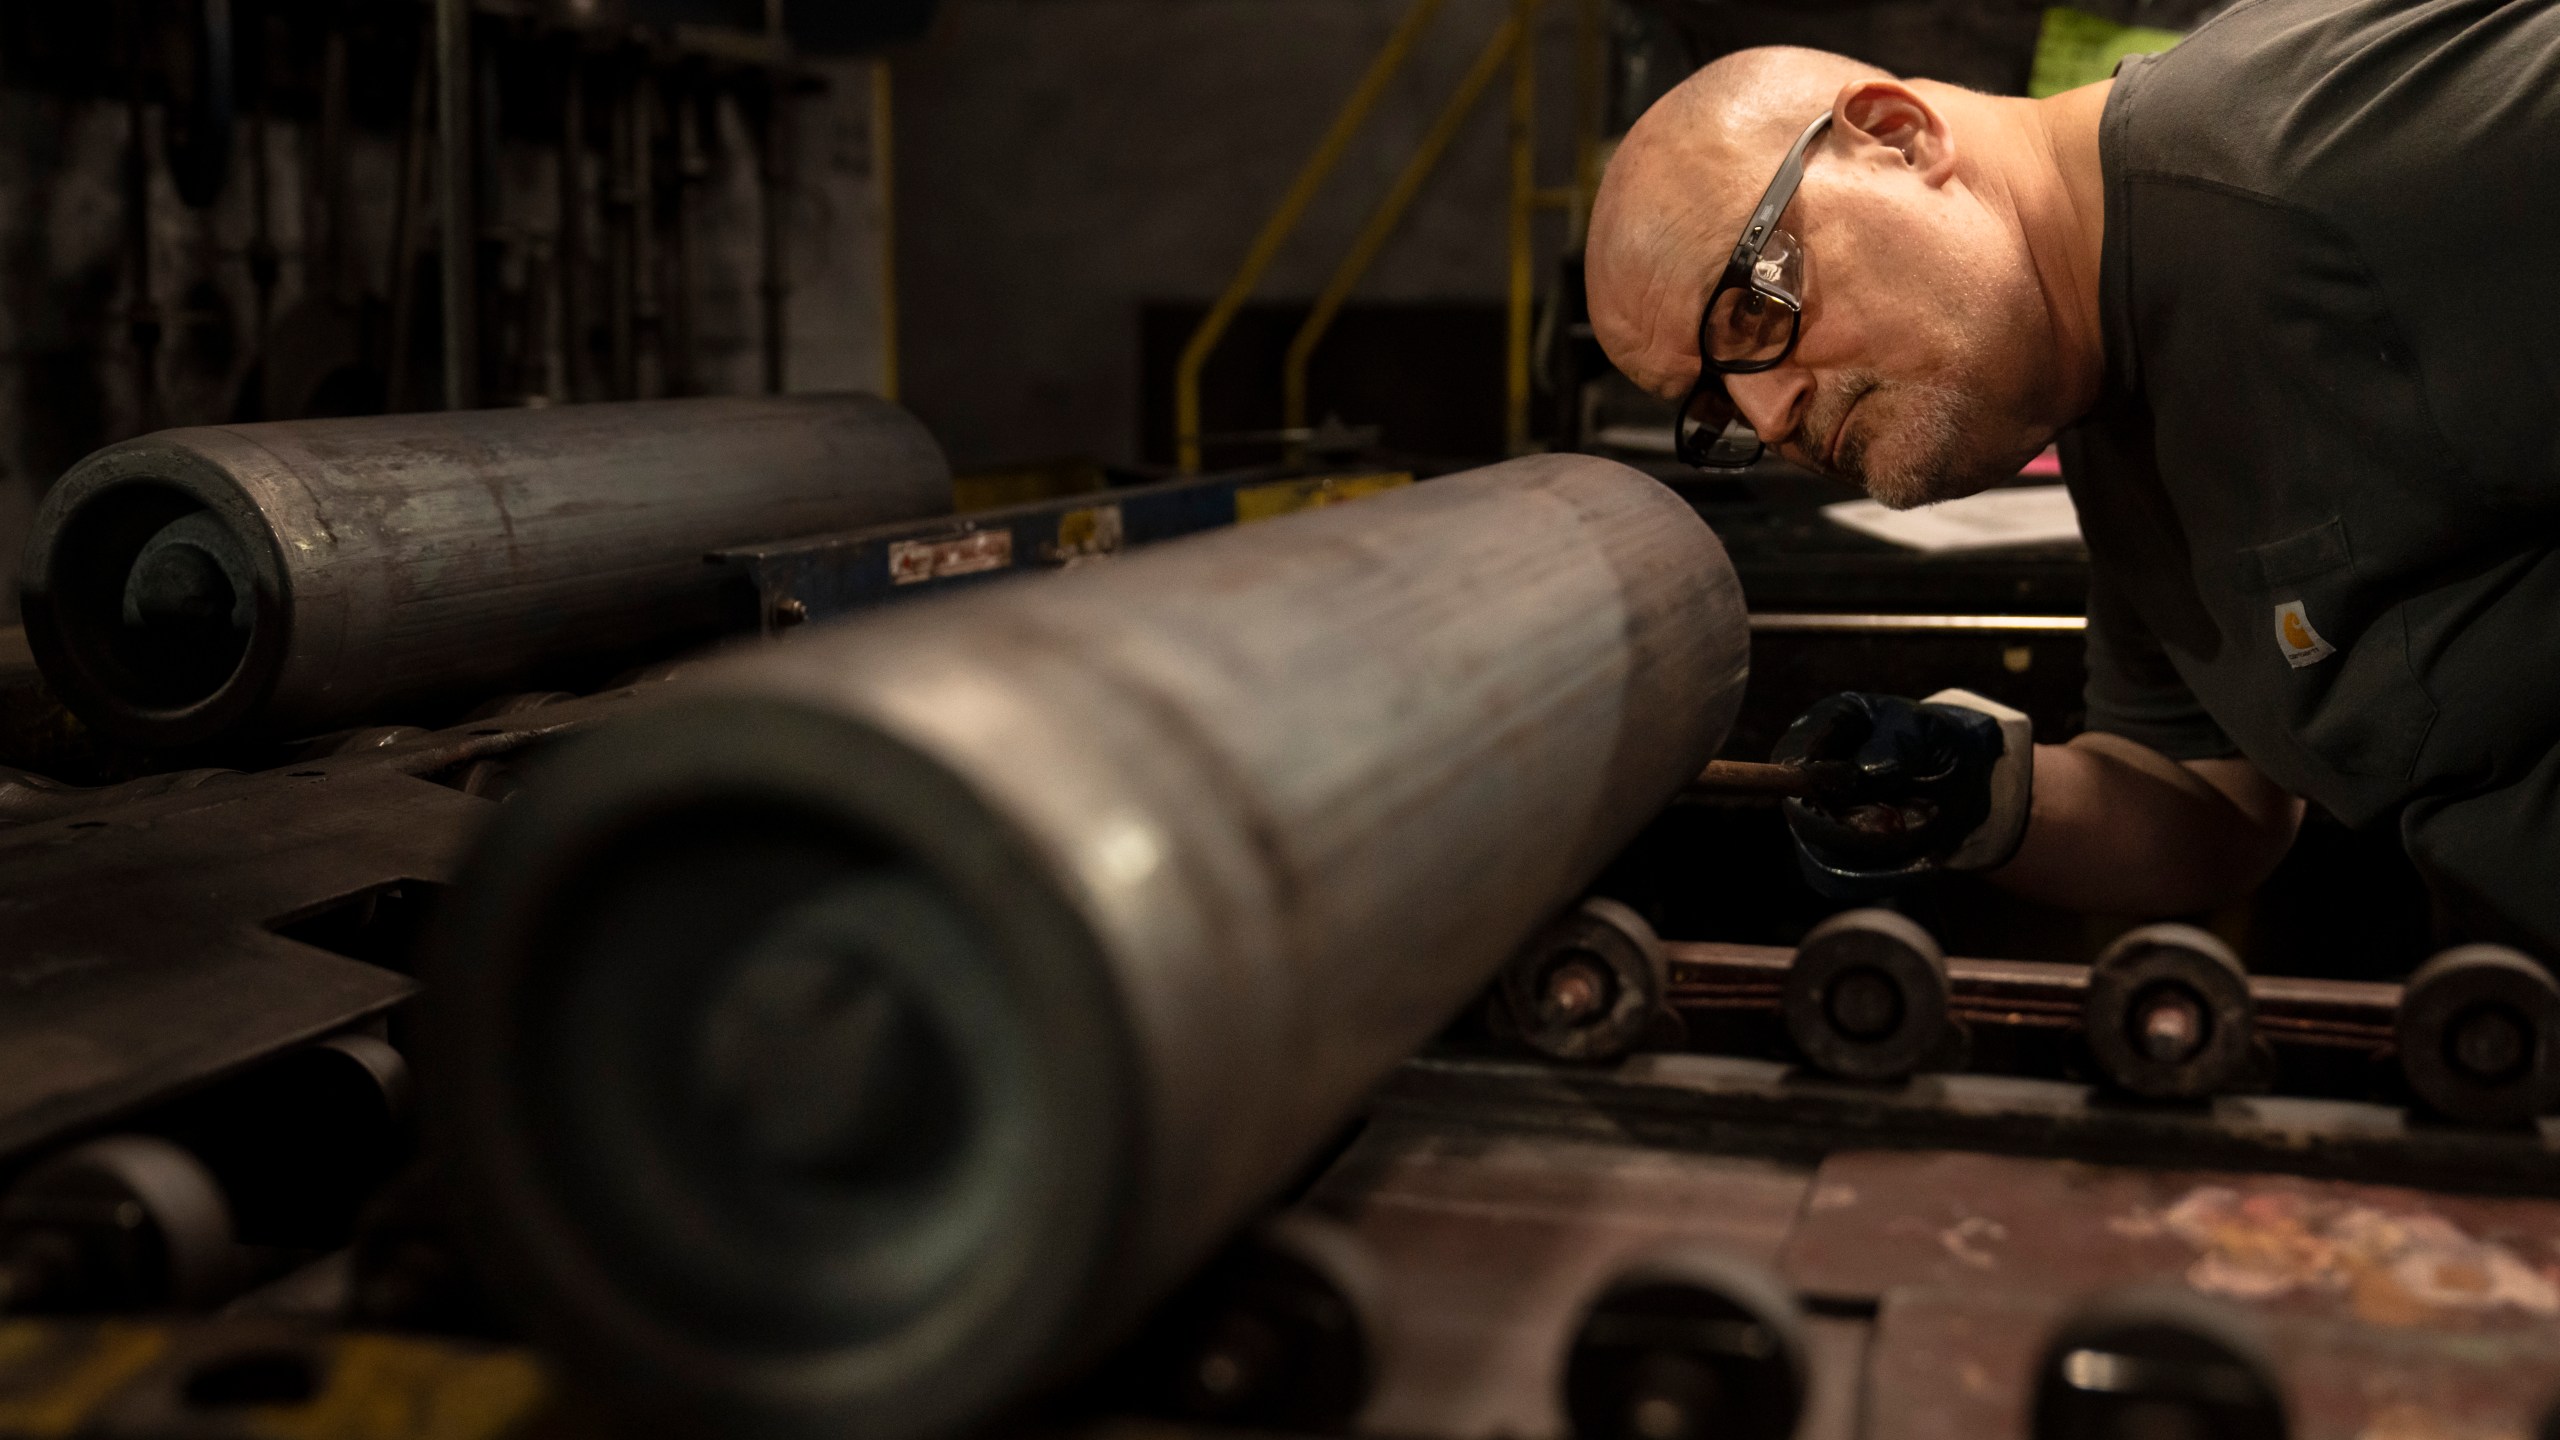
[(1904, 790)]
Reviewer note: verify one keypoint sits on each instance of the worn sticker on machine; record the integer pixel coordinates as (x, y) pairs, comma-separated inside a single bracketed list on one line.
[(912, 562)]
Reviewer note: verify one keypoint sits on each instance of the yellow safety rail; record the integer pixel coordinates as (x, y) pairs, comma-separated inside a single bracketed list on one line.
[(1384, 219), (1515, 43), (1527, 198), (1275, 231)]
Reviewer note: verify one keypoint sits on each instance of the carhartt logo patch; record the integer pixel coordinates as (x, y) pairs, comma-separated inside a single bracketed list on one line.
[(2302, 644)]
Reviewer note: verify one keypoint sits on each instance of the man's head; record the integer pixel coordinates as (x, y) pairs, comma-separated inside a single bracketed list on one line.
[(1925, 367)]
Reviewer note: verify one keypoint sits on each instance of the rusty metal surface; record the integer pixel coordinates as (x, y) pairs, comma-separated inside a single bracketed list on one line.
[(1231, 824), (371, 566), (1958, 1364), (137, 950), (1757, 1106), (138, 959), (2320, 1014), (258, 1379), (1877, 1221), (1489, 1246)]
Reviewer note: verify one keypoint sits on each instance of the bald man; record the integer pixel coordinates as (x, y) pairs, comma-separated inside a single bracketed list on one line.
[(2289, 294)]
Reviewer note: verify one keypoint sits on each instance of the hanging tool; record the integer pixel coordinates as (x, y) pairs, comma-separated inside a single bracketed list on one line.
[(266, 266), (648, 342), (577, 379), (316, 359), (142, 311), (692, 169), (196, 131), (773, 172), (454, 155), (621, 202), (406, 240)]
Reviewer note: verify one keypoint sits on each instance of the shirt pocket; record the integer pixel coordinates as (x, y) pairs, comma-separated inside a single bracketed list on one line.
[(2333, 648)]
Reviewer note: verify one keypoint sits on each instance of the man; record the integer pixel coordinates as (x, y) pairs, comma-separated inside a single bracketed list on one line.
[(2290, 295)]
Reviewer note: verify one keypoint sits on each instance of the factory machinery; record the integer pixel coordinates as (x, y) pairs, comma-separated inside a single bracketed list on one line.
[(1164, 996)]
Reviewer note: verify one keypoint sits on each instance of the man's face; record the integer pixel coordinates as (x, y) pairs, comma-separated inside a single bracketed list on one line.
[(1916, 375)]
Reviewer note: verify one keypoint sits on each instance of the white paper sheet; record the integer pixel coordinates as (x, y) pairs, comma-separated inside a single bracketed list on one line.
[(2025, 515)]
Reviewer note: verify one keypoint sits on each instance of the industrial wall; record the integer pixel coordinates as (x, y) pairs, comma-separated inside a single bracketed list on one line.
[(1062, 165), (1066, 161), (68, 375)]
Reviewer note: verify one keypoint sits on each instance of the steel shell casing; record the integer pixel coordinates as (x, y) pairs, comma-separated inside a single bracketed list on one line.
[(356, 566), (1156, 866)]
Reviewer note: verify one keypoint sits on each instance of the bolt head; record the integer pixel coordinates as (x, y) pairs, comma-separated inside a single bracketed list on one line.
[(1864, 1004), (1576, 992), (2170, 1026), (2489, 1042)]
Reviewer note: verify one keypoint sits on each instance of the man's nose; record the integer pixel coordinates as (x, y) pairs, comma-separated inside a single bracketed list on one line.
[(1774, 401)]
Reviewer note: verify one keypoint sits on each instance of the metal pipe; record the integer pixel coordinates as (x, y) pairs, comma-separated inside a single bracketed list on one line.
[(1275, 231), (1384, 219), (1752, 777), (1776, 622), (455, 100), (278, 579), (876, 1025)]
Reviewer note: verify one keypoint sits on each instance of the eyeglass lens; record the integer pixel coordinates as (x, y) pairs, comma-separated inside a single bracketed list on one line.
[(1750, 325)]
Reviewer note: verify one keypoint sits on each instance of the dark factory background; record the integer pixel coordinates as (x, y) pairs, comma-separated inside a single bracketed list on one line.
[(1074, 182), (866, 893)]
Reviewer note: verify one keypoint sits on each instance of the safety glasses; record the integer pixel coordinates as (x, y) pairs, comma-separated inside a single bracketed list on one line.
[(1750, 322)]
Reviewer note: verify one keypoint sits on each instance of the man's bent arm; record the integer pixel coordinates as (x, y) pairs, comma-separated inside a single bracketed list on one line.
[(2118, 828)]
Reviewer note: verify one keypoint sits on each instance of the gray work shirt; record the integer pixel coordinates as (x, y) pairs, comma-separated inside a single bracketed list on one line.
[(2322, 488)]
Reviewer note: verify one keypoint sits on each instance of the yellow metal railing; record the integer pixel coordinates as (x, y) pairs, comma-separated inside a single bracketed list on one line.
[(1384, 219), (1275, 231), (1513, 43)]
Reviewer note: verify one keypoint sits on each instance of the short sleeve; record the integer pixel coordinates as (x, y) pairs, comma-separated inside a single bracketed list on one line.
[(2134, 691)]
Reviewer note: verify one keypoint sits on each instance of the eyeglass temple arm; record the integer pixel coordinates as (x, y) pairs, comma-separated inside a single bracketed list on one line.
[(1782, 188)]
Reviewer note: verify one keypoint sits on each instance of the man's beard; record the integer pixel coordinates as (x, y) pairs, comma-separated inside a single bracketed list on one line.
[(1936, 441)]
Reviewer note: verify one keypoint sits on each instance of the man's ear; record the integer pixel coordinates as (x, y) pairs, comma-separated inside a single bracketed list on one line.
[(1893, 115)]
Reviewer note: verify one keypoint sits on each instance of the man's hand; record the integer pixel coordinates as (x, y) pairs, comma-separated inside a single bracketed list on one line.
[(1905, 789)]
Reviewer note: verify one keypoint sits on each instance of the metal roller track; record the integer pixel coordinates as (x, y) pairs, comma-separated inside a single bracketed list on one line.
[(278, 579), (862, 1036), (2349, 1015)]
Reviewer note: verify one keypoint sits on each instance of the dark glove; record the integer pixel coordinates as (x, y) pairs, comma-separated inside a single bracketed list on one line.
[(1907, 789)]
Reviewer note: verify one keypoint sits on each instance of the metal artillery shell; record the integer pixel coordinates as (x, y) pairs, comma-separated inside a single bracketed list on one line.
[(864, 1035), (278, 579)]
